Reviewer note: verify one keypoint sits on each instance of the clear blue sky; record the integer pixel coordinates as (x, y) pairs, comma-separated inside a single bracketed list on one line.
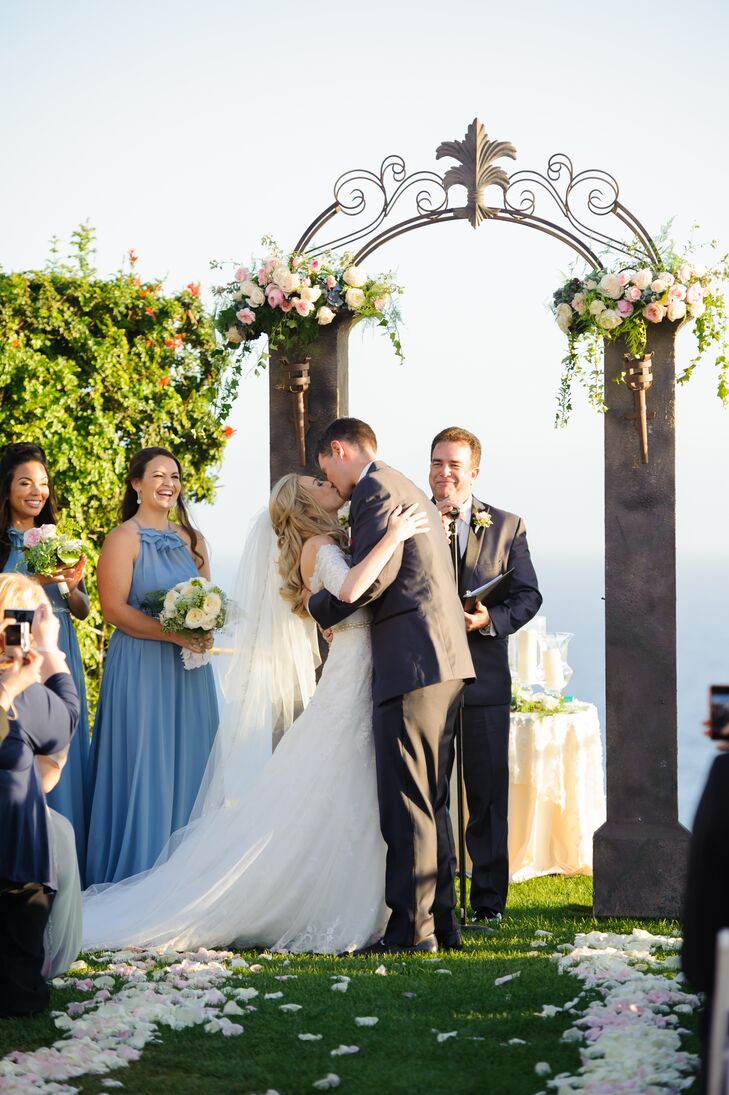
[(188, 130)]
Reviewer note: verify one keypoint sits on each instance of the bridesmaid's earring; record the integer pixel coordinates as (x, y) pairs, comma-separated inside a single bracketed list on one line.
[(139, 499)]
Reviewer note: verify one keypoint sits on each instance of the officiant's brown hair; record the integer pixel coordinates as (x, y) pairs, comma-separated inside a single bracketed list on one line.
[(459, 436)]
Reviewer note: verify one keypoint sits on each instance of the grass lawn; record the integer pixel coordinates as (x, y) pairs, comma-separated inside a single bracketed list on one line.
[(401, 1053)]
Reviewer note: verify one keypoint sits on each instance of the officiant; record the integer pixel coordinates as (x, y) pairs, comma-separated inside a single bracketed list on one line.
[(490, 542)]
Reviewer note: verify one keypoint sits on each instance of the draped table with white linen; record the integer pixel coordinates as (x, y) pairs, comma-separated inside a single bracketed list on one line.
[(556, 792)]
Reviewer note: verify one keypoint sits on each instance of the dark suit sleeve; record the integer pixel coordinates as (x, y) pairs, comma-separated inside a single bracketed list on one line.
[(524, 600), (48, 713), (369, 513), (706, 902)]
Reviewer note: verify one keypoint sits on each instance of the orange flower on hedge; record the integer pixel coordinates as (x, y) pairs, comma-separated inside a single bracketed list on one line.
[(132, 256), (229, 431), (150, 311), (163, 381), (175, 343), (193, 288)]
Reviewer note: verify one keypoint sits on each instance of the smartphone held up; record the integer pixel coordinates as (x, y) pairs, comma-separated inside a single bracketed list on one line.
[(719, 710)]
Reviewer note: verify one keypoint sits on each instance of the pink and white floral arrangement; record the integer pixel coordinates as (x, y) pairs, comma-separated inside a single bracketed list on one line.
[(290, 297), (624, 303)]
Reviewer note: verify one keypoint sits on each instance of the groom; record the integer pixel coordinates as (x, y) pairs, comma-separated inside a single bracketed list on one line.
[(420, 660)]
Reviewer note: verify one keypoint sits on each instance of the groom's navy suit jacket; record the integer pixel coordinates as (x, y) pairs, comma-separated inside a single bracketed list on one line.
[(490, 552), (418, 638)]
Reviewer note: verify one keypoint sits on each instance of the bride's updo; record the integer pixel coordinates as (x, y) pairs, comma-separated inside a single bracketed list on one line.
[(296, 516)]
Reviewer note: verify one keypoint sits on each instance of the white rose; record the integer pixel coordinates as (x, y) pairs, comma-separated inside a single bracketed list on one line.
[(233, 335), (699, 271), (256, 298), (310, 293), (659, 286), (285, 280), (591, 285), (47, 532), (170, 601), (549, 702), (564, 317), (325, 315), (186, 589), (208, 623), (194, 618), (355, 298), (609, 319), (355, 276), (697, 309), (610, 286), (596, 307), (247, 287), (642, 279), (212, 605), (676, 309)]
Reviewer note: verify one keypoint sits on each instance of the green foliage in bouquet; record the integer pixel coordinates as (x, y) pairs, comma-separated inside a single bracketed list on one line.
[(95, 368), (193, 608)]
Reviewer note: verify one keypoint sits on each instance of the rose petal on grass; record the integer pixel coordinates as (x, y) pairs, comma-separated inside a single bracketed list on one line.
[(343, 1051), (245, 994), (112, 1083), (410, 995), (443, 1036), (286, 977), (548, 1011), (330, 1080), (238, 964), (542, 1068), (290, 1007), (310, 1037), (256, 968), (543, 934), (443, 971), (366, 1020), (273, 996), (231, 1008), (341, 986), (516, 1042), (381, 971), (507, 977)]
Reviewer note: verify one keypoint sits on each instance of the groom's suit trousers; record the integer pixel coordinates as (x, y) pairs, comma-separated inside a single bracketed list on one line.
[(413, 741)]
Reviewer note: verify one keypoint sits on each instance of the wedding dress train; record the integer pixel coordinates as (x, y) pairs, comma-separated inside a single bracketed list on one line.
[(298, 862)]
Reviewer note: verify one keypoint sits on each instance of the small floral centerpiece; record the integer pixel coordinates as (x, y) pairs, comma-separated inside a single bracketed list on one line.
[(526, 702), (290, 297), (192, 608), (623, 302), (46, 549)]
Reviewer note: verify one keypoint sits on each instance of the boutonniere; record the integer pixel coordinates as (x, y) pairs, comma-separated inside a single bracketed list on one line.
[(481, 519), (343, 516)]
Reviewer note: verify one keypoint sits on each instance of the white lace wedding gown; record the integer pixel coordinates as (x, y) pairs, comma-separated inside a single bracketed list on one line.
[(299, 863)]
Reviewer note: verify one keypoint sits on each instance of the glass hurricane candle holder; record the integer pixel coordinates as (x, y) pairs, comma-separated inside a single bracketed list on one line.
[(556, 673)]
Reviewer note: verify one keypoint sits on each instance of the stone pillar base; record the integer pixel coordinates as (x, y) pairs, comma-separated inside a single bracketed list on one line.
[(639, 869)]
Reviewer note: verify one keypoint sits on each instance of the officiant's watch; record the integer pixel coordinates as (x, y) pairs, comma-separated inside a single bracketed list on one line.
[(488, 632)]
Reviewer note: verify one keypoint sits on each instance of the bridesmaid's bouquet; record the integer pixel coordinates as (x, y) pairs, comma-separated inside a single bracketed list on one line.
[(48, 548), (192, 608)]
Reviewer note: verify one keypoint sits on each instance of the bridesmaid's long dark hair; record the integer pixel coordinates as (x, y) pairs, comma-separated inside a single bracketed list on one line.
[(21, 452), (129, 504)]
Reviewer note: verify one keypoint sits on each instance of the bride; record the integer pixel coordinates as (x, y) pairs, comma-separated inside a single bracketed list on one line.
[(282, 851)]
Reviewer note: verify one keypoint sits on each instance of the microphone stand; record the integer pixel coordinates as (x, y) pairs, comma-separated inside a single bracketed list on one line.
[(459, 757)]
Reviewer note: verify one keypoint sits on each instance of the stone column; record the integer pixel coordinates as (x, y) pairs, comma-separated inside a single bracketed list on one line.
[(328, 398), (640, 852)]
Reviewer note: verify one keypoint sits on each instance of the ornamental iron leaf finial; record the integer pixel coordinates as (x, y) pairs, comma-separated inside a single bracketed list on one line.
[(476, 155)]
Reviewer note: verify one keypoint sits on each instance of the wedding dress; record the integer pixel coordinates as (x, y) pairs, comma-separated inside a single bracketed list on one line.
[(295, 861)]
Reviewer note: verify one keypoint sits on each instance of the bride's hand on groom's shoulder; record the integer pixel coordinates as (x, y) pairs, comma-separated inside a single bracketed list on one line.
[(407, 521)]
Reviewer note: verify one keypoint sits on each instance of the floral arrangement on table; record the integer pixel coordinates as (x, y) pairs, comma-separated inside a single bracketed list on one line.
[(623, 301), (290, 297), (526, 702), (46, 549), (192, 608)]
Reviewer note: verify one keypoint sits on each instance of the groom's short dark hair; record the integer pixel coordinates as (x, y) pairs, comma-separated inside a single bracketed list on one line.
[(352, 430)]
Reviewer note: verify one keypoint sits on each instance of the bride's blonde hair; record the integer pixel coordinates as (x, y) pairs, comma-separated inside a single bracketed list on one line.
[(296, 516)]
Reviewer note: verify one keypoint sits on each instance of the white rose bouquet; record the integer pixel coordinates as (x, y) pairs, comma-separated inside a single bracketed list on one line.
[(193, 608)]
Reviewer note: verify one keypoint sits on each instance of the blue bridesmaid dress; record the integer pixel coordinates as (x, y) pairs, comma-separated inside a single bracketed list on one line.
[(155, 724), (68, 797)]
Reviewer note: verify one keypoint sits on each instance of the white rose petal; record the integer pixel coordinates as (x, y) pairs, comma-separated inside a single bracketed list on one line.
[(341, 986), (310, 1037), (381, 971), (516, 1042), (344, 1051), (542, 1068), (273, 996), (290, 1007), (330, 1080), (443, 1036), (366, 1020)]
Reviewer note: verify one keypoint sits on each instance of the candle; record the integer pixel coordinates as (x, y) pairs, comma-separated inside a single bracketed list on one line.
[(527, 657), (553, 672)]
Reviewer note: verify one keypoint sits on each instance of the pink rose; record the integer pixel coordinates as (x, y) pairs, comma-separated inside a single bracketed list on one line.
[(694, 294), (314, 264), (47, 532), (676, 310), (623, 277), (241, 274), (668, 278), (331, 281), (262, 276), (32, 537), (684, 271), (654, 312), (378, 304), (271, 264), (296, 261), (303, 307), (632, 294), (677, 292), (578, 303), (286, 305), (625, 307), (246, 315), (275, 297)]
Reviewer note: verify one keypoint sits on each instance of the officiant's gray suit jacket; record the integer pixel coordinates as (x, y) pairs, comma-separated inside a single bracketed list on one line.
[(418, 638), (490, 552)]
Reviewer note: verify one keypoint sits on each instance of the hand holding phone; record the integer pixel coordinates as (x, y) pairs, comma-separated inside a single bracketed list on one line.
[(719, 711)]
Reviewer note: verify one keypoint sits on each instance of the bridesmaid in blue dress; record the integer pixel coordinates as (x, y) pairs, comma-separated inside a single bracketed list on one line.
[(156, 720), (27, 499)]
